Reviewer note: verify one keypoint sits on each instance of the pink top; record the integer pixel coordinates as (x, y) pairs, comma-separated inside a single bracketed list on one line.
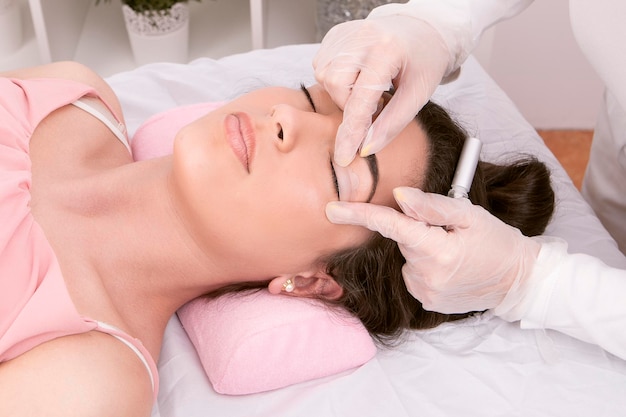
[(35, 306)]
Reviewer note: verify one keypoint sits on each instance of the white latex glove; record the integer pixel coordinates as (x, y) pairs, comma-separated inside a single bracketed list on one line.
[(459, 257), (360, 59)]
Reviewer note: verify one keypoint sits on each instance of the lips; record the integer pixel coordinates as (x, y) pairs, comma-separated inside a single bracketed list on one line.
[(240, 137)]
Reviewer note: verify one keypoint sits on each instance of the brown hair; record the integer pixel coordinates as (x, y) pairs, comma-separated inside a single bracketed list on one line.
[(519, 193)]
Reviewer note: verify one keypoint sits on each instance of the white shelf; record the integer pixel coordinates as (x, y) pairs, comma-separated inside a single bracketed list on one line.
[(96, 35)]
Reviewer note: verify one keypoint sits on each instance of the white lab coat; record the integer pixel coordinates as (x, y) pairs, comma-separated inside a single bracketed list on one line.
[(575, 294)]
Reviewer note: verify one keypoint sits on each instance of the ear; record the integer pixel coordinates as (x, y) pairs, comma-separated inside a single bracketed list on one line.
[(312, 284)]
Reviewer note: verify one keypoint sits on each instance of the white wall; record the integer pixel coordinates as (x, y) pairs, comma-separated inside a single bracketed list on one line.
[(289, 22), (535, 59)]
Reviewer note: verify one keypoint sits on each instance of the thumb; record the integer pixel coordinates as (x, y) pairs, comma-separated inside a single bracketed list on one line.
[(384, 220), (433, 209)]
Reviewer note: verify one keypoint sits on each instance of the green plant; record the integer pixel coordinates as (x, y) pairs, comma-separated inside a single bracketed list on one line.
[(142, 6)]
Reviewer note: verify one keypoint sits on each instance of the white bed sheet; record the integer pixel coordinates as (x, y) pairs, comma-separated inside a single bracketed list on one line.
[(482, 366)]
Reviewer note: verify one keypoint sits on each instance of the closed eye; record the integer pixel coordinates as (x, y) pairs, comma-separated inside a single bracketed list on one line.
[(308, 97), (334, 175), (332, 168)]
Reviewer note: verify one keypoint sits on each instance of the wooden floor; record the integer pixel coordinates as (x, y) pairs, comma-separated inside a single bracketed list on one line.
[(571, 147)]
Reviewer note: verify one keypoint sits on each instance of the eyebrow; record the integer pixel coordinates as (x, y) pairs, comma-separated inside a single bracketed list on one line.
[(372, 161), (372, 164)]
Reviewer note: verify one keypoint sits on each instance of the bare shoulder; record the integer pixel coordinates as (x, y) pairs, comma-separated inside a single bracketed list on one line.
[(70, 70), (89, 375)]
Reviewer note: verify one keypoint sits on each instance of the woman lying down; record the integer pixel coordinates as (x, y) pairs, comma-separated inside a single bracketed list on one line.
[(98, 251)]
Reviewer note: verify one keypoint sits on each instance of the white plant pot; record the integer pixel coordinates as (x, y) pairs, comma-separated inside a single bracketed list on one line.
[(10, 26), (159, 37)]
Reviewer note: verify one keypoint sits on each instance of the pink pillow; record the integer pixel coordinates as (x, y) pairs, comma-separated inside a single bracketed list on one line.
[(155, 137), (257, 342)]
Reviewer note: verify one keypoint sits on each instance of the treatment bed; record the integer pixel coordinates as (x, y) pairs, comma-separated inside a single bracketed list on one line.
[(481, 366)]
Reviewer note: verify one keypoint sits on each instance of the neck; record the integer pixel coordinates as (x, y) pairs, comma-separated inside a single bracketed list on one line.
[(137, 241)]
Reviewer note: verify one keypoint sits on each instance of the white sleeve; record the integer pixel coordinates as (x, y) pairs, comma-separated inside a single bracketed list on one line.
[(575, 294), (460, 22)]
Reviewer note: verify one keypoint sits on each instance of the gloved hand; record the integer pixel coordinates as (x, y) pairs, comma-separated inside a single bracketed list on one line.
[(360, 59), (459, 257)]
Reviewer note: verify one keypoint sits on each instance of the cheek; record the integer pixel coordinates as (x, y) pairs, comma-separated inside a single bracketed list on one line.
[(274, 218), (196, 170), (286, 208), (187, 170), (288, 224)]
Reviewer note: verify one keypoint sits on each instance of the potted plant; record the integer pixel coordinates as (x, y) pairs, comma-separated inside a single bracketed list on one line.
[(158, 30)]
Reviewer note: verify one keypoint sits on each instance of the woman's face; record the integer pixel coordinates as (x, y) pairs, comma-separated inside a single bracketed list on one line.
[(254, 176)]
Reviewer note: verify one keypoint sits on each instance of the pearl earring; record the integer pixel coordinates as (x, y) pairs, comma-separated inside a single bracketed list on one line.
[(289, 286)]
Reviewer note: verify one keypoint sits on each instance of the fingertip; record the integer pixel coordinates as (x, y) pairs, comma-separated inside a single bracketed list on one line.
[(405, 197), (399, 193), (403, 193), (342, 160), (366, 150), (344, 155), (377, 137), (369, 146), (338, 213)]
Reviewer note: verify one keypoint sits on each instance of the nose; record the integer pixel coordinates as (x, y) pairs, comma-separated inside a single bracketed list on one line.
[(291, 126), (283, 120)]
